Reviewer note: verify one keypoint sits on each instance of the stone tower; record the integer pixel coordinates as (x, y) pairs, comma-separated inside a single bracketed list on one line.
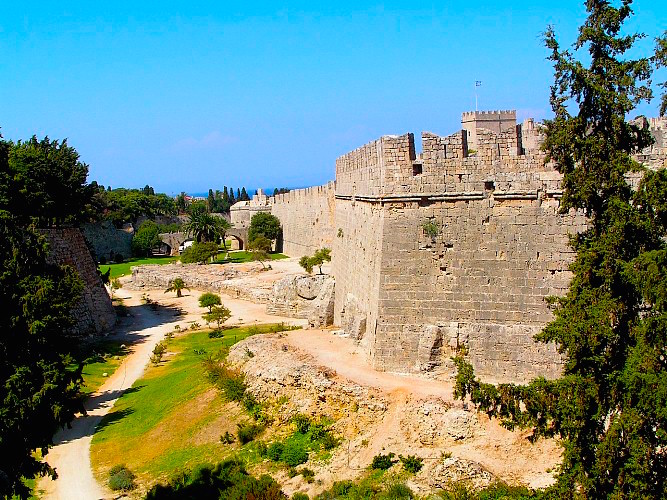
[(495, 121)]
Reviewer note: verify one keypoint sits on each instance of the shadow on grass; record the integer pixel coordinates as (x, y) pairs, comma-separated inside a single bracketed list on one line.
[(112, 418), (95, 402)]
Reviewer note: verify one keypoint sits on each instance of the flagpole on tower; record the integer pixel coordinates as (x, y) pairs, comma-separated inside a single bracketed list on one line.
[(478, 83)]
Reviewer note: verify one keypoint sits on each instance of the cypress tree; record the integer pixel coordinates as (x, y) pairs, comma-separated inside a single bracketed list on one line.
[(609, 407)]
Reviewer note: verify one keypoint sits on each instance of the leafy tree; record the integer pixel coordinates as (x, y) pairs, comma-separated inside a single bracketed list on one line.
[(180, 203), (608, 407), (199, 252), (127, 205), (177, 285), (209, 300), (264, 224), (48, 182), (232, 199), (218, 315), (146, 238), (318, 259), (260, 247), (244, 195), (210, 201)]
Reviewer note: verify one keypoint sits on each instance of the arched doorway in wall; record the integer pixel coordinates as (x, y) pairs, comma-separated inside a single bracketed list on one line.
[(237, 242)]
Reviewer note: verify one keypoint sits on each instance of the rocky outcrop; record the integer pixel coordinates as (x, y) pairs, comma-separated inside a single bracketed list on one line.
[(214, 278), (304, 296)]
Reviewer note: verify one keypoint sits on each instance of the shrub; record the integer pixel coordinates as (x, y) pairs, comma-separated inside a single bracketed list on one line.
[(397, 491), (248, 432), (216, 334), (121, 478), (329, 441), (227, 438), (308, 475), (228, 479), (231, 382), (294, 453), (118, 258), (209, 300), (300, 496), (199, 252), (411, 463), (302, 423), (275, 450), (430, 228), (383, 462), (103, 260)]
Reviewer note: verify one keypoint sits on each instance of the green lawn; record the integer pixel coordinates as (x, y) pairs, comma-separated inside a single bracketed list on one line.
[(240, 256), (103, 357), (172, 417), (123, 268)]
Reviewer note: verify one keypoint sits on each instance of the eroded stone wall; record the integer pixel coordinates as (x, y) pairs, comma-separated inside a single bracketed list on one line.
[(307, 219), (94, 312)]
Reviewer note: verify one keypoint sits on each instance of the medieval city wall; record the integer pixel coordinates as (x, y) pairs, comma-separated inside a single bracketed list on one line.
[(94, 312), (307, 219), (500, 247)]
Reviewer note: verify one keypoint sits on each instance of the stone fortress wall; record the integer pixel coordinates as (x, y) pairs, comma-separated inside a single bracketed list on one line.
[(457, 246), (309, 214), (94, 313)]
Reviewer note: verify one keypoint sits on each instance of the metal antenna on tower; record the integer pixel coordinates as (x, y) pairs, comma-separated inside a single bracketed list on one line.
[(478, 83)]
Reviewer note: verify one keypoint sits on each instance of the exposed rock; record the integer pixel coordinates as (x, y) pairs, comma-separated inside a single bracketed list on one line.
[(304, 296), (453, 470), (354, 318)]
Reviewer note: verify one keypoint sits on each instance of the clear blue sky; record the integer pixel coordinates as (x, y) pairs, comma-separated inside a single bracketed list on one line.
[(187, 97)]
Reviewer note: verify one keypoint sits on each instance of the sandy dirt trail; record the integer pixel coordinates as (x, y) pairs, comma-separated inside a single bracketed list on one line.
[(344, 356), (70, 455)]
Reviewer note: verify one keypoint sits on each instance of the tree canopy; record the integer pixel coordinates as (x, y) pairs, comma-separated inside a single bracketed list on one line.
[(264, 224), (38, 390), (145, 238), (609, 405)]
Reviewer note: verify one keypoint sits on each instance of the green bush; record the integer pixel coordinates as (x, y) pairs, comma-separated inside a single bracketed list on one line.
[(228, 479), (329, 441), (412, 463), (227, 438), (308, 475), (199, 252), (383, 462), (118, 258), (275, 451), (302, 423), (397, 491), (216, 334), (231, 382), (248, 432), (294, 453), (121, 478), (300, 496)]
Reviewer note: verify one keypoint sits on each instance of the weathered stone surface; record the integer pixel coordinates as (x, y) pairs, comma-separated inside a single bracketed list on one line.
[(454, 470), (94, 313), (304, 296), (106, 240), (353, 318)]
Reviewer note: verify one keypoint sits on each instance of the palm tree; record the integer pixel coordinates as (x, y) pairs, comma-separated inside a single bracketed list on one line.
[(204, 226), (176, 285)]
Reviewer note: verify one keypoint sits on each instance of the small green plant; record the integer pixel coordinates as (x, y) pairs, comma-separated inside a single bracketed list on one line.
[(307, 474), (300, 496), (227, 438), (411, 463), (231, 382), (158, 352), (121, 478), (445, 455), (430, 228), (318, 259), (294, 453), (195, 326), (302, 423), (364, 442), (340, 232), (383, 462), (216, 334), (275, 450), (177, 328), (247, 432), (399, 491)]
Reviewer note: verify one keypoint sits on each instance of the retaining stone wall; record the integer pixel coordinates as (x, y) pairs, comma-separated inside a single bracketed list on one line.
[(94, 313)]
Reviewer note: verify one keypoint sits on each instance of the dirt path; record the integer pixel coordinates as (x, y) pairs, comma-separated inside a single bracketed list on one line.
[(70, 455), (345, 357)]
